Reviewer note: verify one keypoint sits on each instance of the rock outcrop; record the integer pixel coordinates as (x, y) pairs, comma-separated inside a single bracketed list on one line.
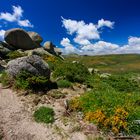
[(51, 48), (35, 37), (33, 64), (4, 49), (38, 51), (19, 39)]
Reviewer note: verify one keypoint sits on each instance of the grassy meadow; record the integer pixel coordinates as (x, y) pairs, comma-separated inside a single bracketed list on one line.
[(120, 63)]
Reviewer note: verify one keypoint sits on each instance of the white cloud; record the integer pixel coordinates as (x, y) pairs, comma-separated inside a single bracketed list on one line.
[(134, 41), (107, 23), (2, 32), (100, 47), (16, 16), (133, 46), (65, 42), (68, 47), (25, 23), (83, 32)]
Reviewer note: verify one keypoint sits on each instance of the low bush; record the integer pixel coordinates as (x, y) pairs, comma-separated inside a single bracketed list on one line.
[(25, 80), (44, 115), (73, 72), (64, 83)]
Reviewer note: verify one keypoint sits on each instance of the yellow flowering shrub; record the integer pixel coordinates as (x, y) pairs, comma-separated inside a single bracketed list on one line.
[(49, 58), (119, 120), (97, 116), (75, 104)]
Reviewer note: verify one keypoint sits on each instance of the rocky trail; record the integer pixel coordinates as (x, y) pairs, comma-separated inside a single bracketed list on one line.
[(16, 122)]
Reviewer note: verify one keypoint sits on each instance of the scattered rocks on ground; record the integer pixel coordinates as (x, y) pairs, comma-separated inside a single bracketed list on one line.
[(33, 64)]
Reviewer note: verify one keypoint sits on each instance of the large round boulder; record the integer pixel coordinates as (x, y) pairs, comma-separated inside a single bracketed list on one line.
[(19, 39), (33, 64), (35, 37)]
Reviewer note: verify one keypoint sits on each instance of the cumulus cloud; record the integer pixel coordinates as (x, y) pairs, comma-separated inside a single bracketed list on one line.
[(83, 35), (105, 23), (68, 47), (65, 42), (100, 47), (83, 32), (133, 46), (2, 32), (16, 16)]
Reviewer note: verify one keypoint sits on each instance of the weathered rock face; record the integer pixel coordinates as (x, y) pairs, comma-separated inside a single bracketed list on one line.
[(3, 50), (51, 48), (35, 37), (1, 68), (38, 51), (33, 64), (5, 45), (58, 51), (19, 39)]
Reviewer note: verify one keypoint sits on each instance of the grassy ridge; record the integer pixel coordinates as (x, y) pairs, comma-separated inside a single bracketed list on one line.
[(110, 63)]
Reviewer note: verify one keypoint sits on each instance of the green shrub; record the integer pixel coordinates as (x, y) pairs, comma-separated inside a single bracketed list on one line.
[(109, 109), (5, 79), (64, 83), (134, 128), (25, 80), (15, 54), (44, 115), (73, 72), (123, 83)]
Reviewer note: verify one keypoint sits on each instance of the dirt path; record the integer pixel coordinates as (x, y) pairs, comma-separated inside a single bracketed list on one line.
[(16, 122)]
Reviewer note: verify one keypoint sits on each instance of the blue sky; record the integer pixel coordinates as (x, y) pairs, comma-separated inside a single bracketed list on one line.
[(78, 26)]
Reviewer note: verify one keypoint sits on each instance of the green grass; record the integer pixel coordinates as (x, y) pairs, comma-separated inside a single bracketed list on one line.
[(73, 72), (120, 63), (44, 115), (5, 79), (108, 96), (15, 54), (64, 84)]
